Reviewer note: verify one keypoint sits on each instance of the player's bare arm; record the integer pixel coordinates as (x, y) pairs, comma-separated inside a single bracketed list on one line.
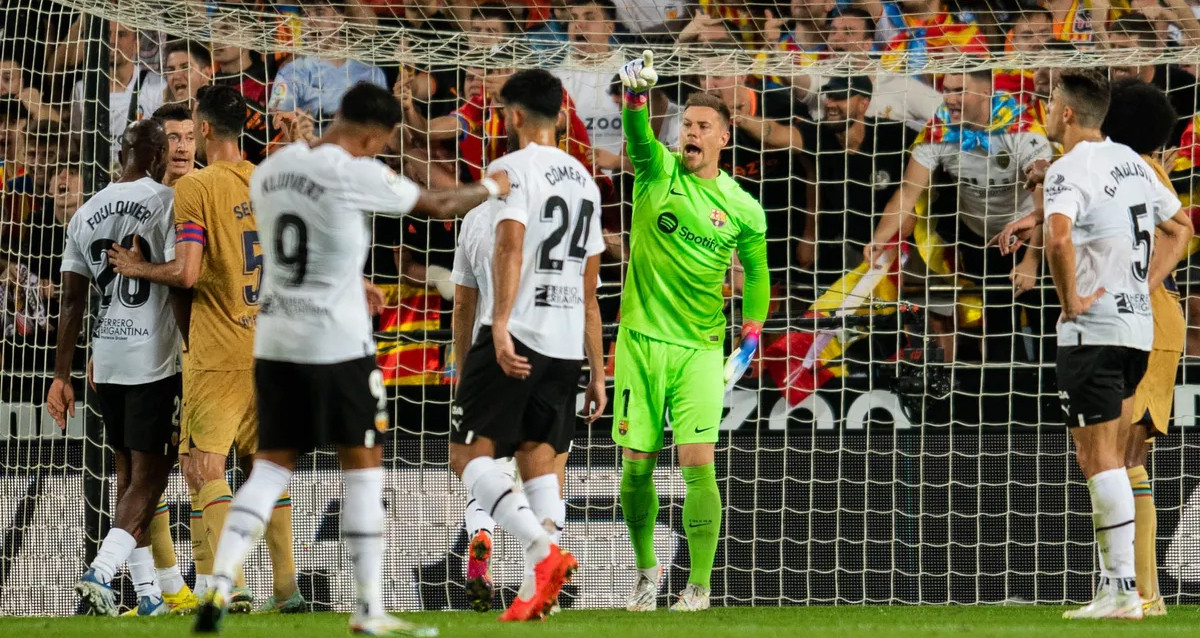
[(1169, 248), (595, 397), (60, 400), (449, 204), (1060, 255), (181, 272), (466, 300), (898, 217), (506, 269)]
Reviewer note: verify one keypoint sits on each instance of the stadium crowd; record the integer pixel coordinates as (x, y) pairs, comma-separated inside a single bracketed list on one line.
[(826, 156)]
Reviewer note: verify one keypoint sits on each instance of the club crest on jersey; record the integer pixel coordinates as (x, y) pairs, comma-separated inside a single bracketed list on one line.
[(623, 427), (718, 218), (1003, 160)]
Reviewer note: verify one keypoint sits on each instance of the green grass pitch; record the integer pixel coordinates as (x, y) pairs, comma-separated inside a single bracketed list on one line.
[(742, 622)]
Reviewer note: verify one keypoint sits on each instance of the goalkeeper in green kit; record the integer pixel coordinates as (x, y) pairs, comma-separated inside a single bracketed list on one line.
[(688, 220)]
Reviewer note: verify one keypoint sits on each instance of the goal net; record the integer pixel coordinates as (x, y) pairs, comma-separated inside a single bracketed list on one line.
[(898, 439)]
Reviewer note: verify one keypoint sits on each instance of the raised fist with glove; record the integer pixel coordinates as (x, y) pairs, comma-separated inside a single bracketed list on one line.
[(638, 77)]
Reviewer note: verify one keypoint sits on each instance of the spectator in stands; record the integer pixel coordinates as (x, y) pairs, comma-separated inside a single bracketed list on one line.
[(551, 35), (769, 172), (896, 96), (188, 66), (1132, 31), (1073, 20), (653, 19), (242, 69), (1174, 24), (593, 47), (931, 29), (67, 191), (134, 90), (181, 140), (489, 25), (416, 15), (855, 163), (13, 83), (982, 142), (1032, 28), (13, 117), (708, 29), (44, 141), (315, 85), (808, 29)]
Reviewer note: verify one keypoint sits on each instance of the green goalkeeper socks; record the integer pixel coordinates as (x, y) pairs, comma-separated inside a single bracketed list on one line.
[(639, 503), (701, 520)]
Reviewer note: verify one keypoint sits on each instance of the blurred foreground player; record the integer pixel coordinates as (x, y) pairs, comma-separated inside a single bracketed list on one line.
[(689, 218), (1101, 202), (135, 354), (314, 353)]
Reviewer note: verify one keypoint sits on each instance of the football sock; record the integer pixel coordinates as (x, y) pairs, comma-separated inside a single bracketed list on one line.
[(141, 571), (201, 549), (497, 494), (160, 537), (280, 549), (475, 519), (170, 580), (701, 520), (114, 550), (546, 500), (214, 498), (1145, 525), (247, 519), (362, 527), (639, 503), (1112, 516)]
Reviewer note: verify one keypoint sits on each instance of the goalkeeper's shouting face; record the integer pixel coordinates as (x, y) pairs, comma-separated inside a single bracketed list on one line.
[(705, 132)]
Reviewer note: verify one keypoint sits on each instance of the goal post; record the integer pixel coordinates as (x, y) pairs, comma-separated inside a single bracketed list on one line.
[(899, 438)]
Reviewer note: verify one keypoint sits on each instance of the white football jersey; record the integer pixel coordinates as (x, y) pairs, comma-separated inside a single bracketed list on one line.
[(473, 259), (1114, 201), (991, 190), (558, 202), (134, 337), (312, 205)]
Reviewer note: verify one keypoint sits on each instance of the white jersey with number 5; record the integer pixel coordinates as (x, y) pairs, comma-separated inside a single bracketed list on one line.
[(312, 206), (134, 338), (1114, 201), (558, 202)]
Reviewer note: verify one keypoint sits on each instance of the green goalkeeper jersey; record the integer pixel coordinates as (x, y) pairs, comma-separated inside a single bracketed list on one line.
[(681, 244)]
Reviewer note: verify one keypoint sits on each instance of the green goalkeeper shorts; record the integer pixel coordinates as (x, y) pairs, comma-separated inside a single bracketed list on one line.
[(653, 378)]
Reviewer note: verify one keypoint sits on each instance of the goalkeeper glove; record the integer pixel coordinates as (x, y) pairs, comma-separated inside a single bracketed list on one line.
[(739, 361), (638, 76)]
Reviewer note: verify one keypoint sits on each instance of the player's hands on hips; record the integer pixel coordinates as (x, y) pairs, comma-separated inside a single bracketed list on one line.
[(60, 401), (638, 76), (513, 364), (1024, 275), (375, 297), (1015, 234), (127, 262), (1079, 305), (595, 398)]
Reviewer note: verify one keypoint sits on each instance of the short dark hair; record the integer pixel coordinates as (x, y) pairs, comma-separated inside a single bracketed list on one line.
[(610, 9), (708, 100), (1135, 25), (198, 52), (537, 91), (174, 112), (1140, 116), (495, 12), (1031, 12), (223, 107), (855, 12), (367, 104), (1087, 91), (47, 133)]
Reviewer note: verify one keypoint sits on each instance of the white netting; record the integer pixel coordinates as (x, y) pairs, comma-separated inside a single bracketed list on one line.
[(900, 479)]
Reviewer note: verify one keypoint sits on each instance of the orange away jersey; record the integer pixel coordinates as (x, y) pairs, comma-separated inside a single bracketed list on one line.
[(212, 208)]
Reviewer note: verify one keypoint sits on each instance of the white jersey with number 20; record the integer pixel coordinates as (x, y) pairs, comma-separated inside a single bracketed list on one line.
[(134, 338), (312, 206), (1114, 201), (558, 202)]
